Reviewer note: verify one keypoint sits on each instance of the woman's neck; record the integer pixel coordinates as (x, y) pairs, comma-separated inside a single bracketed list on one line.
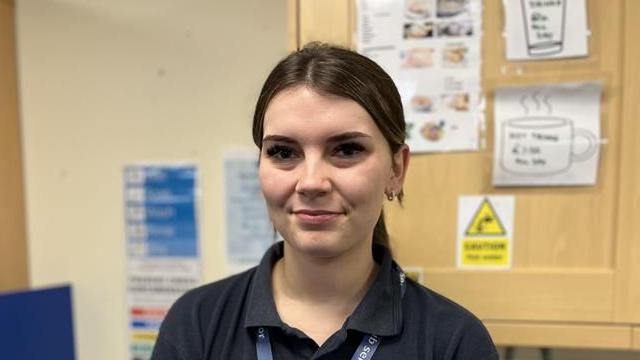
[(339, 280), (317, 294)]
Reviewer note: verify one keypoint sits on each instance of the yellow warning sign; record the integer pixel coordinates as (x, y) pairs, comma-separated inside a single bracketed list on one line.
[(485, 232), (485, 222), (485, 251)]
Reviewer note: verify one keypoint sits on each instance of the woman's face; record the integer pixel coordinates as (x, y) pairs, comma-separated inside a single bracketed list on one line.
[(324, 169)]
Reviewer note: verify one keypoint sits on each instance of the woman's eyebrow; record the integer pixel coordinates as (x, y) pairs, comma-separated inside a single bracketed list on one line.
[(348, 136), (278, 138), (335, 138)]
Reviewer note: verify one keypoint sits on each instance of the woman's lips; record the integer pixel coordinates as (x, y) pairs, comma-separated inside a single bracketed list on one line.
[(316, 217)]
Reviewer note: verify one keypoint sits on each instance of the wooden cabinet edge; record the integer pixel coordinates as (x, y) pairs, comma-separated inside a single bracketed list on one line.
[(636, 338), (584, 336), (293, 27), (13, 256)]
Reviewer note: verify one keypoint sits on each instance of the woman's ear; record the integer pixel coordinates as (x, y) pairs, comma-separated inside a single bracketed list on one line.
[(400, 163)]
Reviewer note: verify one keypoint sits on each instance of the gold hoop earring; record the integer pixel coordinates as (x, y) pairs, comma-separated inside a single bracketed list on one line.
[(390, 195)]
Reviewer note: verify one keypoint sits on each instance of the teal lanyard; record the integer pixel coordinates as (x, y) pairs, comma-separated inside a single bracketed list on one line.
[(368, 345)]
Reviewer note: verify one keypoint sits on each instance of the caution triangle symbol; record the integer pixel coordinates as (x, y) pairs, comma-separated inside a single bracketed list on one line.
[(485, 221)]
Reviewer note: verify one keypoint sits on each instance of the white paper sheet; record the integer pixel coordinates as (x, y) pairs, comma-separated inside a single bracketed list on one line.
[(547, 135), (249, 230), (432, 50), (545, 29)]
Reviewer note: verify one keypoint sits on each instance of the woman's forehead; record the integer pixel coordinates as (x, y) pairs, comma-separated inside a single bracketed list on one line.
[(302, 109)]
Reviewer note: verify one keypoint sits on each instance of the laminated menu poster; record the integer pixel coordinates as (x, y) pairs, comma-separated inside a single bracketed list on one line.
[(432, 50), (163, 260), (547, 135)]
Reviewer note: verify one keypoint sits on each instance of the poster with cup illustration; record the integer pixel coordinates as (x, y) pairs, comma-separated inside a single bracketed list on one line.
[(545, 29), (432, 50), (547, 135)]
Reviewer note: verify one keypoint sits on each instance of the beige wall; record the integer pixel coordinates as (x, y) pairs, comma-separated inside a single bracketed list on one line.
[(111, 82)]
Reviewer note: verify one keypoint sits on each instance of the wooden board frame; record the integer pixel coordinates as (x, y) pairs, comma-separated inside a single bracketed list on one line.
[(627, 295), (13, 244)]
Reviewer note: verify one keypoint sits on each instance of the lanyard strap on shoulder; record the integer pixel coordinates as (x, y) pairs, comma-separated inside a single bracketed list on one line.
[(367, 347), (403, 282), (263, 345)]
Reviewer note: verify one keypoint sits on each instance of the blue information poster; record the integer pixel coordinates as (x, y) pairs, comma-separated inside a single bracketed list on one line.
[(161, 207), (162, 246)]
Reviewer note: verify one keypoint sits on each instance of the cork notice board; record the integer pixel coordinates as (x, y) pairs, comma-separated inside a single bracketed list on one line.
[(577, 249)]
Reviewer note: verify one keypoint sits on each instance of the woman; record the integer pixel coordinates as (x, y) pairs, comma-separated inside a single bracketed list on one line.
[(330, 128)]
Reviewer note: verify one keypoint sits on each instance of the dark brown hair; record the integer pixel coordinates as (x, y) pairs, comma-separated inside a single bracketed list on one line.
[(332, 70)]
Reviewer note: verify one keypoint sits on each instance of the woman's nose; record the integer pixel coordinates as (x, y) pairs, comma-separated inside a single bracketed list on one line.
[(314, 179)]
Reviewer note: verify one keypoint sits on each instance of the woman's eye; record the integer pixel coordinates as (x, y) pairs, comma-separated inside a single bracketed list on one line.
[(280, 152), (349, 149)]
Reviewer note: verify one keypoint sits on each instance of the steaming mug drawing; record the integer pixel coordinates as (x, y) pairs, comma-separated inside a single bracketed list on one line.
[(544, 145)]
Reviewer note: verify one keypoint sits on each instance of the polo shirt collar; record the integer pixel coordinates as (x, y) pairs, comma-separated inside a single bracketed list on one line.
[(379, 312), (261, 307)]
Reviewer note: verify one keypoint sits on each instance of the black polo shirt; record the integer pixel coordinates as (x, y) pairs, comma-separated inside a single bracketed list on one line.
[(220, 321)]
